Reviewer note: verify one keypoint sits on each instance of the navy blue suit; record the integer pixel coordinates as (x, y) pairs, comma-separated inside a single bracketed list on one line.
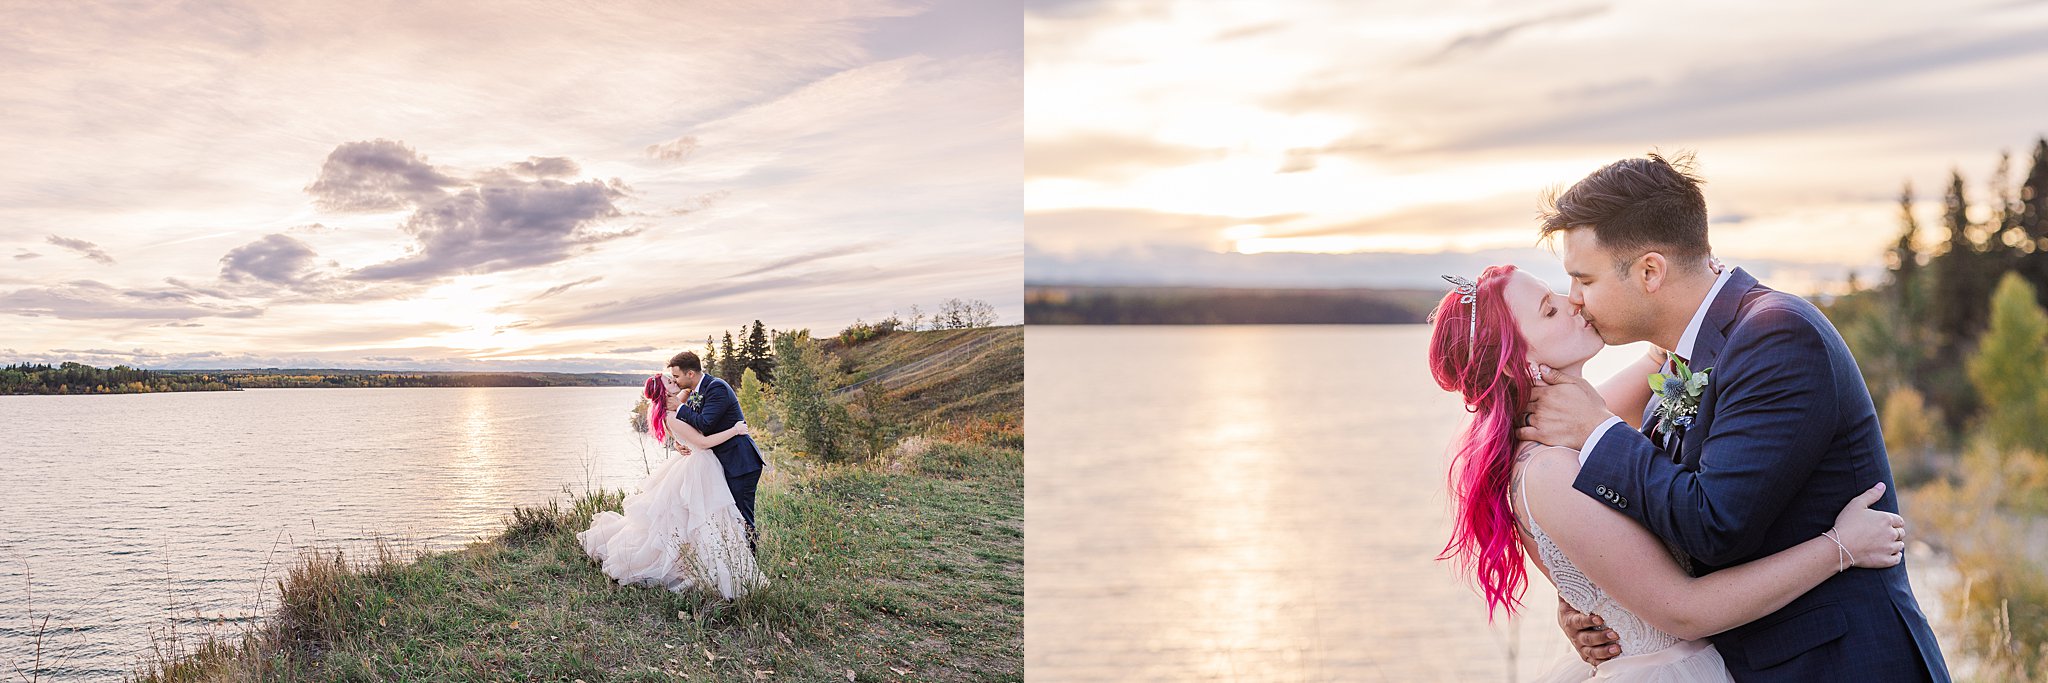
[(719, 411), (1786, 434)]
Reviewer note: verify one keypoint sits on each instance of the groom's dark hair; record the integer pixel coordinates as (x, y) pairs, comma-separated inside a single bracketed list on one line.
[(1635, 206), (686, 360)]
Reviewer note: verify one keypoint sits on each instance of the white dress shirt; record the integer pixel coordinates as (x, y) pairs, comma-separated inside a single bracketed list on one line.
[(1684, 350)]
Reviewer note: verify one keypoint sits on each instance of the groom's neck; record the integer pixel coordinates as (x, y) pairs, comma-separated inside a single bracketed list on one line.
[(1686, 294)]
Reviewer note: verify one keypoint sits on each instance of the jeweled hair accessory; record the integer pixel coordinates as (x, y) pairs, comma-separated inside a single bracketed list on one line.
[(1468, 293)]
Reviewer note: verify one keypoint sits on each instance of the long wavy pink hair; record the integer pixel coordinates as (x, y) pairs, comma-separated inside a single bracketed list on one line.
[(656, 393), (1490, 372)]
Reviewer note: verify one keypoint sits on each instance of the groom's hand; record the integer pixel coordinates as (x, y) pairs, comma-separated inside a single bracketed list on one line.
[(1563, 410), (1589, 633)]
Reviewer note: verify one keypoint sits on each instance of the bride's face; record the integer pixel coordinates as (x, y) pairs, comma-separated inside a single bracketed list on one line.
[(1557, 335)]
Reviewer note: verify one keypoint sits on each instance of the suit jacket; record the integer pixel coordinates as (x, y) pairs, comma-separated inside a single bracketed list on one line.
[(719, 411), (1786, 434)]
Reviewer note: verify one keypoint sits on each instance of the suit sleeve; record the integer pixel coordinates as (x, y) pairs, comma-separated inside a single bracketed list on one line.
[(717, 401), (1773, 420)]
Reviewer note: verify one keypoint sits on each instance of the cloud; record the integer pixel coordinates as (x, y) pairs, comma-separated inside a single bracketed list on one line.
[(1480, 41), (547, 167), (377, 175), (558, 289), (92, 300), (668, 304), (84, 248), (812, 257), (1778, 93), (1094, 155), (26, 255), (1102, 229), (276, 259), (502, 225), (635, 349), (677, 150)]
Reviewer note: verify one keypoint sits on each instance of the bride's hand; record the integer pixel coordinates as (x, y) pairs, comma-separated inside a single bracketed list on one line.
[(740, 429), (1877, 539)]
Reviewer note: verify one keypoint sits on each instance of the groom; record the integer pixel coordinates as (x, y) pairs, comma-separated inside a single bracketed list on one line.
[(1783, 435), (709, 405)]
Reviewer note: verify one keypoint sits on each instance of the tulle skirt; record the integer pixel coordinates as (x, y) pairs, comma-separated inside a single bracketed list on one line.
[(680, 531), (1692, 661)]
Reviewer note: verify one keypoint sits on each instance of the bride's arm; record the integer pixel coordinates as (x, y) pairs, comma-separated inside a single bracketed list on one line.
[(697, 440), (1628, 392), (1630, 563)]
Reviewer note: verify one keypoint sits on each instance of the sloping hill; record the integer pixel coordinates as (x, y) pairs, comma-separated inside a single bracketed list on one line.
[(940, 374)]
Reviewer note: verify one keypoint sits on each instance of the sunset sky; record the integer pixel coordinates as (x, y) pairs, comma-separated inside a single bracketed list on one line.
[(522, 185), (1382, 143)]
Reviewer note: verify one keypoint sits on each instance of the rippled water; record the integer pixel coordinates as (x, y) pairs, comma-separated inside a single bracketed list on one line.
[(1252, 504), (129, 511)]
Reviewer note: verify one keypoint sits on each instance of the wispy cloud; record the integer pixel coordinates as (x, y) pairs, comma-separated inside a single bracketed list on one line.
[(83, 248), (490, 185), (1433, 128)]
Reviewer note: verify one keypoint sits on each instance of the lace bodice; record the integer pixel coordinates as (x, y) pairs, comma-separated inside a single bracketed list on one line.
[(1637, 636)]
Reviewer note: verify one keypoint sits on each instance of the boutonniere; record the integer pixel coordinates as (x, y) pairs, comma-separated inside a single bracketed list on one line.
[(695, 401), (1678, 395)]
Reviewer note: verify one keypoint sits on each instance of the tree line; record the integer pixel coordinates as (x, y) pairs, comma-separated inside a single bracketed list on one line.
[(80, 378), (1953, 344)]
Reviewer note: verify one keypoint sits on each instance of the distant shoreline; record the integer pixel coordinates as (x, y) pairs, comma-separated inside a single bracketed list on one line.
[(70, 379), (1157, 305)]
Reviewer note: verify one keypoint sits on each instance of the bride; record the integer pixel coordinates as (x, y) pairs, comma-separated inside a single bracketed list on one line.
[(682, 529), (1515, 500)]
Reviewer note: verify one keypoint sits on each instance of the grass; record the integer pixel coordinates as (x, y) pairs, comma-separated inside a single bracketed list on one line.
[(941, 375), (908, 567), (876, 575)]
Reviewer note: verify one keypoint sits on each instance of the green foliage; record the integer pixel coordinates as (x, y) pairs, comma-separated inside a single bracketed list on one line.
[(2010, 369), (79, 378), (861, 331), (803, 398), (753, 397)]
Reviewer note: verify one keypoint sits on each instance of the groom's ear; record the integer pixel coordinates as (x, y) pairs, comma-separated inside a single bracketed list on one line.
[(1653, 269)]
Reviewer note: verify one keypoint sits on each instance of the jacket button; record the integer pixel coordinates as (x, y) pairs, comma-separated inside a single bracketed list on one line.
[(1623, 503), (1602, 489)]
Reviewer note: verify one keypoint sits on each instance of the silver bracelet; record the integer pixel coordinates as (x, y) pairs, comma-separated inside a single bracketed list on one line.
[(1840, 566)]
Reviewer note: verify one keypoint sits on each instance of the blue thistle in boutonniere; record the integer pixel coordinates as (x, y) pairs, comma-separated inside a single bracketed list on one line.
[(1678, 395), (695, 401)]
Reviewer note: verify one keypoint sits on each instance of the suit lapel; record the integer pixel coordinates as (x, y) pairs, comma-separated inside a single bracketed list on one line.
[(1706, 350)]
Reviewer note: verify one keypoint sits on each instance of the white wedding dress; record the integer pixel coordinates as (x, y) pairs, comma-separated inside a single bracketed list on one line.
[(680, 531), (1647, 654)]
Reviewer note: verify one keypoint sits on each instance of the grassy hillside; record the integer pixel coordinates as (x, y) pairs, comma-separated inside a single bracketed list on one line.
[(907, 571), (941, 375)]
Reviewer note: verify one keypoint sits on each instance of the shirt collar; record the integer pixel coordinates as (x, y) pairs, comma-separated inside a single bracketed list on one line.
[(1699, 317), (701, 376)]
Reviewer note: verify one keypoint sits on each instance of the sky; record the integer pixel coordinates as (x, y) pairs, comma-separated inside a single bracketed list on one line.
[(1383, 143), (503, 186)]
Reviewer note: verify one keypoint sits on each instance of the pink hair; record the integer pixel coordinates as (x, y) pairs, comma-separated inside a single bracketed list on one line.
[(656, 393), (1490, 372)]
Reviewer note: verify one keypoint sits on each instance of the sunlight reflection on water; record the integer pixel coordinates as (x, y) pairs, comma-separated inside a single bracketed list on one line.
[(121, 506)]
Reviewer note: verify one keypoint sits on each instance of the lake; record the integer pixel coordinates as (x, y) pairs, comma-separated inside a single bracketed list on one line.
[(127, 512), (1255, 503)]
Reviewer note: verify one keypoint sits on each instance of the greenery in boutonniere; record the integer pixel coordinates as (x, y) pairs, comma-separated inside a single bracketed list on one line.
[(1678, 395)]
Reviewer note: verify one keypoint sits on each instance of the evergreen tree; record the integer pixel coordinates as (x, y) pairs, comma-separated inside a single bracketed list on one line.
[(2003, 233), (1961, 297), (710, 354), (1905, 256), (760, 356), (729, 369), (2033, 221)]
